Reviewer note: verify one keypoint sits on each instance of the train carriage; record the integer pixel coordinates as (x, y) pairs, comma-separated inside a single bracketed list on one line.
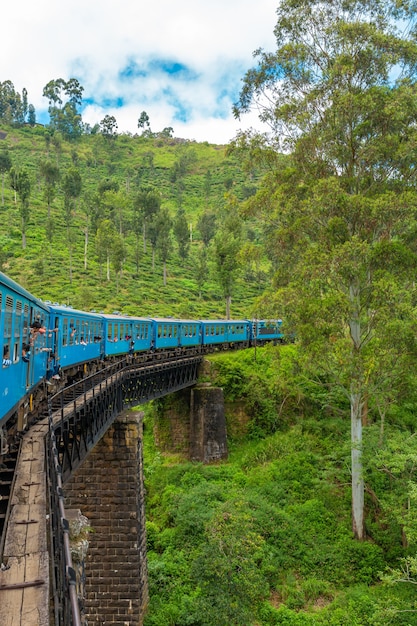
[(239, 333), (225, 333), (76, 337), (166, 333), (126, 335), (264, 331), (190, 333), (25, 354)]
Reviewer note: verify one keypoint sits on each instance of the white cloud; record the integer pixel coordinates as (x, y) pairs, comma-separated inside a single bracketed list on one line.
[(95, 41)]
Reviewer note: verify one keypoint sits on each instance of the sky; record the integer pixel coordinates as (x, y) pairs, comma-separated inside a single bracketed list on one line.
[(181, 61)]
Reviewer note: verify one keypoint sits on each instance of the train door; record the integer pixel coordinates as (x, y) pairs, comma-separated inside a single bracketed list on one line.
[(8, 330), (22, 345), (30, 351), (53, 344)]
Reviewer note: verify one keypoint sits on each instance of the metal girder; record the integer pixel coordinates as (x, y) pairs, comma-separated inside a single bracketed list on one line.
[(85, 411)]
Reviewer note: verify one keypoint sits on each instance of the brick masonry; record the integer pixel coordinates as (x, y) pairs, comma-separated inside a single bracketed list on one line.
[(192, 422), (108, 489)]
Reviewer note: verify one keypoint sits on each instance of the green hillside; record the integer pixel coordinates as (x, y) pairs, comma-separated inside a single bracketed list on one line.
[(51, 263)]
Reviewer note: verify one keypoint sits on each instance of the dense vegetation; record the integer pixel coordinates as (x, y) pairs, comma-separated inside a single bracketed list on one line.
[(265, 538)]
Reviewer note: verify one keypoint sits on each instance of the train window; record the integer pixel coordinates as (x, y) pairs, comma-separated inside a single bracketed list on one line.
[(7, 331), (72, 332), (87, 332), (17, 325), (8, 315), (109, 331), (65, 331), (17, 328), (175, 331), (25, 323)]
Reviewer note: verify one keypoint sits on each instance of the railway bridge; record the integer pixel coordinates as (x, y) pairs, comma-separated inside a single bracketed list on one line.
[(83, 453)]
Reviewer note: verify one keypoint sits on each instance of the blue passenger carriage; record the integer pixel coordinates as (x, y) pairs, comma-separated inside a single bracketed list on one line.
[(75, 337), (24, 351), (264, 331), (225, 333), (190, 333), (126, 335), (166, 333)]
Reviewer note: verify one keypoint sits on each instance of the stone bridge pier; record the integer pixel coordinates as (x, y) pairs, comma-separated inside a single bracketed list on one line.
[(192, 422), (107, 488)]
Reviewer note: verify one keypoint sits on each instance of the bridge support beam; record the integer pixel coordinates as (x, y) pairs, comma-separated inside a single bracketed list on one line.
[(108, 489)]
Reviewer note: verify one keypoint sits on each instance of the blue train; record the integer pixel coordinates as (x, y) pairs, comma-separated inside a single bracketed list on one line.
[(46, 346)]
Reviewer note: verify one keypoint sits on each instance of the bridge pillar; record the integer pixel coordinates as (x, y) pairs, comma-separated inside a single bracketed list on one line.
[(108, 490), (192, 422), (208, 437)]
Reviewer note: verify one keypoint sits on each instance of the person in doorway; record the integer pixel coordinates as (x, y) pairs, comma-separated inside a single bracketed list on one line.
[(26, 352), (6, 356)]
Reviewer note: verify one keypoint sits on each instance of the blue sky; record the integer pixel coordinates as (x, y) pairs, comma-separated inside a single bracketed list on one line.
[(180, 61)]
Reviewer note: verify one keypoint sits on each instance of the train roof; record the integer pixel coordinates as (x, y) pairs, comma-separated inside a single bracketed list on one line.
[(126, 317), (11, 284), (219, 321), (169, 320), (62, 308)]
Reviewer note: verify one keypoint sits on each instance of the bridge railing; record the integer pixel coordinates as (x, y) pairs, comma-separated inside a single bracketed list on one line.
[(107, 391), (67, 606)]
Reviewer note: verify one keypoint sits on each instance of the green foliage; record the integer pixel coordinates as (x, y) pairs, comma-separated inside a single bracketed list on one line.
[(265, 537)]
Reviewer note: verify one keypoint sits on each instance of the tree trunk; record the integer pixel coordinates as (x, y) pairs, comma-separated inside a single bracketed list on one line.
[(137, 256), (70, 264), (228, 305), (357, 469), (108, 267), (85, 247), (165, 274)]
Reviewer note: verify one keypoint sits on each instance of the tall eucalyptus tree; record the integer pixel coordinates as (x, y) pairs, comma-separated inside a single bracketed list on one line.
[(339, 95)]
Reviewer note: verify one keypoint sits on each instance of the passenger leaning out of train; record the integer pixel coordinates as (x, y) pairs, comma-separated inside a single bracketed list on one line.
[(6, 356), (36, 328)]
